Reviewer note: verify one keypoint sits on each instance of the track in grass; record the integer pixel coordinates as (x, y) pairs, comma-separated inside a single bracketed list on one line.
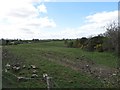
[(63, 64)]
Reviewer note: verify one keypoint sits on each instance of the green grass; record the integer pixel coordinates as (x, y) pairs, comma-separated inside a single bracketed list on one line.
[(64, 76), (58, 48), (61, 75)]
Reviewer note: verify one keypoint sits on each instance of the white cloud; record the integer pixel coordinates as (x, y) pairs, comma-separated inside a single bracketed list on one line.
[(42, 8), (102, 17), (93, 25), (21, 19), (42, 22)]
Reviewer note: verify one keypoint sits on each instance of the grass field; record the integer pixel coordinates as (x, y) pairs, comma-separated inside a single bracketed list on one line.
[(62, 64)]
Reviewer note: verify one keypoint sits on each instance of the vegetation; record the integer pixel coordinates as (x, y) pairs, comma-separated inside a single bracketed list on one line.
[(109, 41), (57, 61), (72, 63)]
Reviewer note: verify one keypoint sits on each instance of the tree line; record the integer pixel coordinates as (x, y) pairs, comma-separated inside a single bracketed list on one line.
[(19, 41)]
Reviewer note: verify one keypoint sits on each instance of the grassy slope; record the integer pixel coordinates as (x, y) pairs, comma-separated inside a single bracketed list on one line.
[(107, 59), (63, 76)]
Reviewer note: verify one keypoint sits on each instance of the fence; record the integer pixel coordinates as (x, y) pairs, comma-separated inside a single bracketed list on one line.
[(49, 80)]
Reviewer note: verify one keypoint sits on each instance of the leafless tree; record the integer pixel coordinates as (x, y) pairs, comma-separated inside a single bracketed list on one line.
[(113, 34)]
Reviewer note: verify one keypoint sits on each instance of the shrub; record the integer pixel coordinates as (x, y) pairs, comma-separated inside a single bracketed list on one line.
[(99, 48), (70, 44)]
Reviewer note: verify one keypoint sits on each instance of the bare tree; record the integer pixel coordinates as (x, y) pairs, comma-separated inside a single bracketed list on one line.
[(113, 34)]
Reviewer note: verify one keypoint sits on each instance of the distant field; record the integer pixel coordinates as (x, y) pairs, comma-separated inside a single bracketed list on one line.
[(61, 63)]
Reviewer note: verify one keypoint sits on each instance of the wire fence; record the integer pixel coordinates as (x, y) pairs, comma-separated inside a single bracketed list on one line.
[(56, 85), (50, 83), (27, 78)]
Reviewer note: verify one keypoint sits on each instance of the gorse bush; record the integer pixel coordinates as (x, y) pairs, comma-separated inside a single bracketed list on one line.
[(88, 44), (109, 41)]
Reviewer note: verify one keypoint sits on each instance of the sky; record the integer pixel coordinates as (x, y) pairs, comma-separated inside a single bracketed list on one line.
[(46, 19)]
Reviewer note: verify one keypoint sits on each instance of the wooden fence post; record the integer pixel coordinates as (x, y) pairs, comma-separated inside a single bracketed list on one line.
[(49, 82)]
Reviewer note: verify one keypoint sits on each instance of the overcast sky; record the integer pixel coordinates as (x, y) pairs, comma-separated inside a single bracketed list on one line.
[(43, 19)]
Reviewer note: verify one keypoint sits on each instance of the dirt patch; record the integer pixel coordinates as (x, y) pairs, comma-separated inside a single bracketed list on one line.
[(106, 74)]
